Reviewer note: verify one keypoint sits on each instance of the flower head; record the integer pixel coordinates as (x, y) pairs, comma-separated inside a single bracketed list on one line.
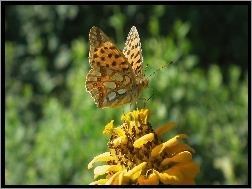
[(138, 155)]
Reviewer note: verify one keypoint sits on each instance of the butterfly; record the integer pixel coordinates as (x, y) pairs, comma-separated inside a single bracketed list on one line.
[(116, 77)]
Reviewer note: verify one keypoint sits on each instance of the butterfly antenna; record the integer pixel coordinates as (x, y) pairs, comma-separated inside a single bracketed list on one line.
[(160, 68)]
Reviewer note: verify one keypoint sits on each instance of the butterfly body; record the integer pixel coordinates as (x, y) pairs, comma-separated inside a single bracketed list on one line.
[(116, 77)]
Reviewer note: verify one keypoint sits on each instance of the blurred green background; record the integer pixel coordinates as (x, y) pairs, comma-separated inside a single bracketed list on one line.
[(53, 129)]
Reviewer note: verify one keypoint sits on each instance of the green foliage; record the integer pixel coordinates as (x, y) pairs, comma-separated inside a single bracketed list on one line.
[(53, 128)]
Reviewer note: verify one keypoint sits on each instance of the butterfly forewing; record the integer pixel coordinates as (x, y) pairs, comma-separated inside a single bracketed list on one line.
[(112, 81), (133, 52)]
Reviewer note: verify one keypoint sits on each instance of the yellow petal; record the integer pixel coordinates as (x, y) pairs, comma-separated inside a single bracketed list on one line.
[(120, 140), (102, 157), (143, 116), (170, 176), (159, 149), (136, 171), (162, 129), (178, 158), (101, 181), (113, 179), (122, 179), (120, 131), (190, 169), (179, 148), (151, 180), (175, 175), (143, 140), (100, 170), (109, 128), (126, 118)]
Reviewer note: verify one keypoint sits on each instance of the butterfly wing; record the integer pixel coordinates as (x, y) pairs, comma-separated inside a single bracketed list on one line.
[(111, 75), (133, 52)]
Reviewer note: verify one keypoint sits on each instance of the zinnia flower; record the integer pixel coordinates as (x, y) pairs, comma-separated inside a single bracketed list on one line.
[(139, 156)]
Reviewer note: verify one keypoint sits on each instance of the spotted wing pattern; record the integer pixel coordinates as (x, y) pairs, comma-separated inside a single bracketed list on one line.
[(133, 52), (115, 78)]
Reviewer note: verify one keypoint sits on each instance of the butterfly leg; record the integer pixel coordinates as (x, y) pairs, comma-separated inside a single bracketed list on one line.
[(145, 101), (136, 105), (131, 108), (123, 110)]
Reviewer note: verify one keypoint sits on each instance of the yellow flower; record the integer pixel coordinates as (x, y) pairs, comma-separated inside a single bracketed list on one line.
[(139, 156)]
